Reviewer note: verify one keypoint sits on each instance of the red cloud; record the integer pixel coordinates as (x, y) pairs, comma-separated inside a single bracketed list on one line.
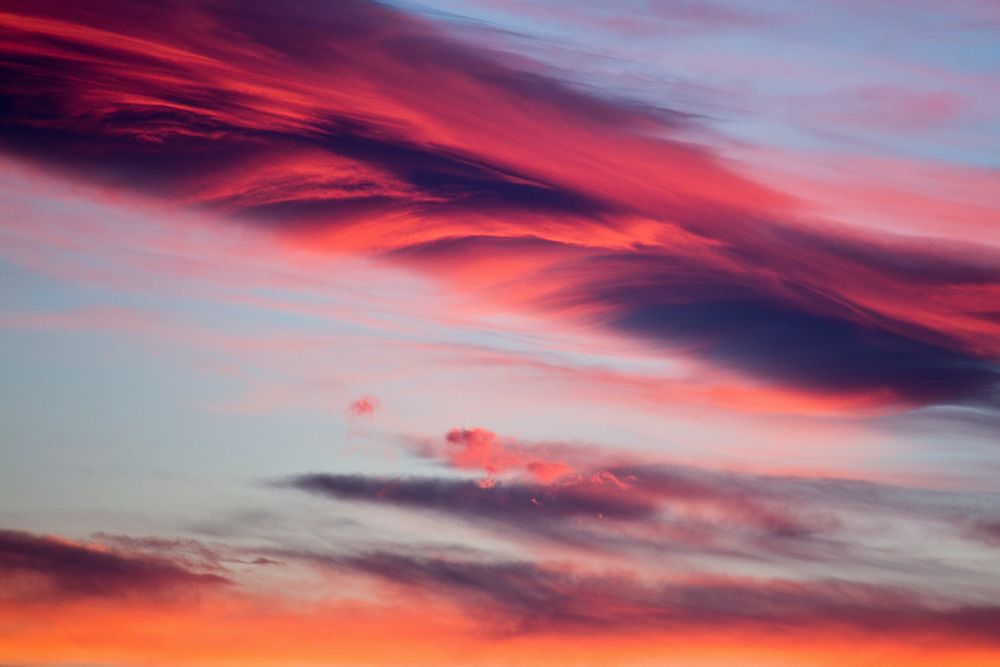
[(317, 120)]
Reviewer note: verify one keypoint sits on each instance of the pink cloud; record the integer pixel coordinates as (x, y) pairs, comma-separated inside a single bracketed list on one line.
[(365, 406), (481, 449)]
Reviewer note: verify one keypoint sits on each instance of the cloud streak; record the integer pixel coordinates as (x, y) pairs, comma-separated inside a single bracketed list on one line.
[(504, 501), (310, 201), (501, 611), (539, 598), (315, 122), (40, 568), (605, 504)]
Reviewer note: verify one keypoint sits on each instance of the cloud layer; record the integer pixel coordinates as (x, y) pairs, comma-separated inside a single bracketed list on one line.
[(317, 122), (740, 397)]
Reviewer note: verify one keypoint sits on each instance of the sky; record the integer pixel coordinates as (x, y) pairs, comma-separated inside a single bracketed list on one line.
[(499, 332)]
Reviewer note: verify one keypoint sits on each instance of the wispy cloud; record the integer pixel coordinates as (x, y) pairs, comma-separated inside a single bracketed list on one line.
[(370, 221), (657, 239), (38, 568)]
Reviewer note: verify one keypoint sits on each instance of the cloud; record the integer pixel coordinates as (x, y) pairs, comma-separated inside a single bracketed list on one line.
[(364, 406), (505, 501), (466, 614), (41, 568), (614, 512), (187, 553), (764, 336), (638, 508), (985, 530), (525, 597), (356, 128), (481, 449)]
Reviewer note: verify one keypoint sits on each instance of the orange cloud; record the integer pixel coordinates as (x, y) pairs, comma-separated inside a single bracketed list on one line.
[(265, 631)]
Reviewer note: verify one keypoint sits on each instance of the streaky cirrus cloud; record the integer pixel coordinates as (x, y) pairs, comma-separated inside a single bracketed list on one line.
[(504, 501), (622, 505), (468, 603), (40, 568), (315, 122), (530, 597), (295, 208), (600, 514)]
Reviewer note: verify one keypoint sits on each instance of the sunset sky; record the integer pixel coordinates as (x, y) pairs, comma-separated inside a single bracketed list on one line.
[(500, 332)]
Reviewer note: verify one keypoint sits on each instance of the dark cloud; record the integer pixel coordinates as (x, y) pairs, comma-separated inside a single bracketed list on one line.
[(811, 342), (985, 530), (654, 512), (601, 503), (462, 181), (792, 335), (520, 596), (328, 115), (509, 501), (72, 103), (768, 339), (39, 568)]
